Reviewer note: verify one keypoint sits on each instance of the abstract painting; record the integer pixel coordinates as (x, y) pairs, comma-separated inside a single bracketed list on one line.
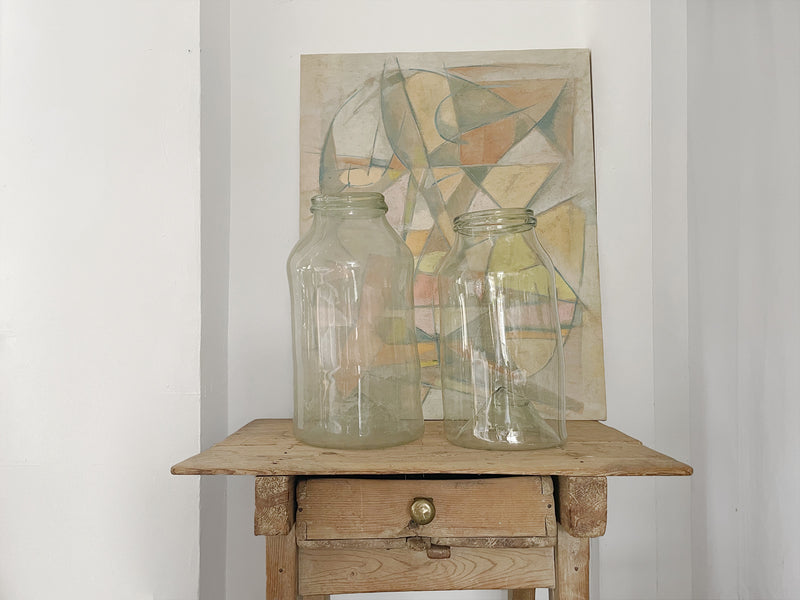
[(440, 134)]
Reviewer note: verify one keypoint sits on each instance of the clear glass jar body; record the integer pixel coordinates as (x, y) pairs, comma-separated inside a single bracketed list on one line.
[(500, 346), (356, 368)]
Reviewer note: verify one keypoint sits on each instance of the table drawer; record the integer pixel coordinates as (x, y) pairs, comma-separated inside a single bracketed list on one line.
[(349, 570), (501, 507)]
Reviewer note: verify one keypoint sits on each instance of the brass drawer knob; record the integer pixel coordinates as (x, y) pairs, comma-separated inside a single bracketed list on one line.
[(422, 511)]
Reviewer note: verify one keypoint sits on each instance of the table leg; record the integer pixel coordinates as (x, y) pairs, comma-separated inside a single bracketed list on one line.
[(521, 594), (572, 567), (582, 505), (282, 566)]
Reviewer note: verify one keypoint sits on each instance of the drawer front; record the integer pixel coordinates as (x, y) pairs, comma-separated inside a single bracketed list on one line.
[(341, 509), (344, 571)]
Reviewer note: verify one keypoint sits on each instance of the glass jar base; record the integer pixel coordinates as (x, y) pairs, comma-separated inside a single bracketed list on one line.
[(464, 433), (318, 436)]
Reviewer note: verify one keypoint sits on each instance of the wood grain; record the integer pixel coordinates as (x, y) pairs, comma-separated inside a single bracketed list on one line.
[(267, 447), (281, 569), (423, 543), (582, 505), (365, 571), (572, 568), (521, 594), (343, 508), (274, 514), (495, 542)]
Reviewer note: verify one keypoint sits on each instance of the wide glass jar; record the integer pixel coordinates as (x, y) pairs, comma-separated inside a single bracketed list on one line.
[(356, 368), (500, 347)]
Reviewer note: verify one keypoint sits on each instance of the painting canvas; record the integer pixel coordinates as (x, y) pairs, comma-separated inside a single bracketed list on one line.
[(440, 134)]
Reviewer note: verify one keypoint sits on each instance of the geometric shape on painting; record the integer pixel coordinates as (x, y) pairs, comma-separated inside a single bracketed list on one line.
[(447, 180), (477, 173), (446, 121), (513, 186), (399, 123), (445, 155), (435, 248), (557, 123), (482, 201), (561, 231), (485, 145), (424, 289), (428, 356), (423, 317), (415, 240), (534, 95), (475, 105), (460, 198), (533, 149), (425, 90)]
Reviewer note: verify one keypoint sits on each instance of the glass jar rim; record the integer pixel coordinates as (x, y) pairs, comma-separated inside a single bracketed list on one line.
[(349, 201), (494, 219)]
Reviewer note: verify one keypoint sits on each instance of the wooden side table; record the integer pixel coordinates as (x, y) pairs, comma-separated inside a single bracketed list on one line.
[(428, 515)]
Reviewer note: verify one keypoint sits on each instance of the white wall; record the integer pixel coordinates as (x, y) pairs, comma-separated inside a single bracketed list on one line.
[(215, 151), (639, 552), (99, 298), (744, 268), (671, 295)]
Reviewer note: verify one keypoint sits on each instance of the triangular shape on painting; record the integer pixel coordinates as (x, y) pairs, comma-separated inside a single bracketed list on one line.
[(445, 155), (399, 123), (409, 206), (557, 124), (461, 197), (448, 180), (561, 230), (535, 97), (476, 105), (533, 149), (395, 195), (433, 252), (482, 201), (520, 87), (477, 173), (523, 126), (328, 169), (513, 186)]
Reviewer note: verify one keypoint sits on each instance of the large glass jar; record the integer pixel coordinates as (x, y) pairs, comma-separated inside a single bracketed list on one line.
[(500, 347), (356, 368)]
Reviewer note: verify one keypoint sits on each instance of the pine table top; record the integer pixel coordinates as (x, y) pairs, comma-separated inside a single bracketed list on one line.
[(268, 447)]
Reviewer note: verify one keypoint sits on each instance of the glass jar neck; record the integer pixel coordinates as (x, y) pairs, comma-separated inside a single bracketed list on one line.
[(494, 222), (356, 204)]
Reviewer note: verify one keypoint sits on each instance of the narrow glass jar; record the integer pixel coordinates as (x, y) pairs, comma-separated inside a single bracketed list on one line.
[(356, 368), (500, 346)]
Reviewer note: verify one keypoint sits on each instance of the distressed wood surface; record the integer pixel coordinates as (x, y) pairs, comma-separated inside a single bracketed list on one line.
[(274, 514), (365, 571), (572, 568), (521, 594), (267, 447), (424, 542), (281, 568), (495, 542), (582, 505), (339, 508)]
